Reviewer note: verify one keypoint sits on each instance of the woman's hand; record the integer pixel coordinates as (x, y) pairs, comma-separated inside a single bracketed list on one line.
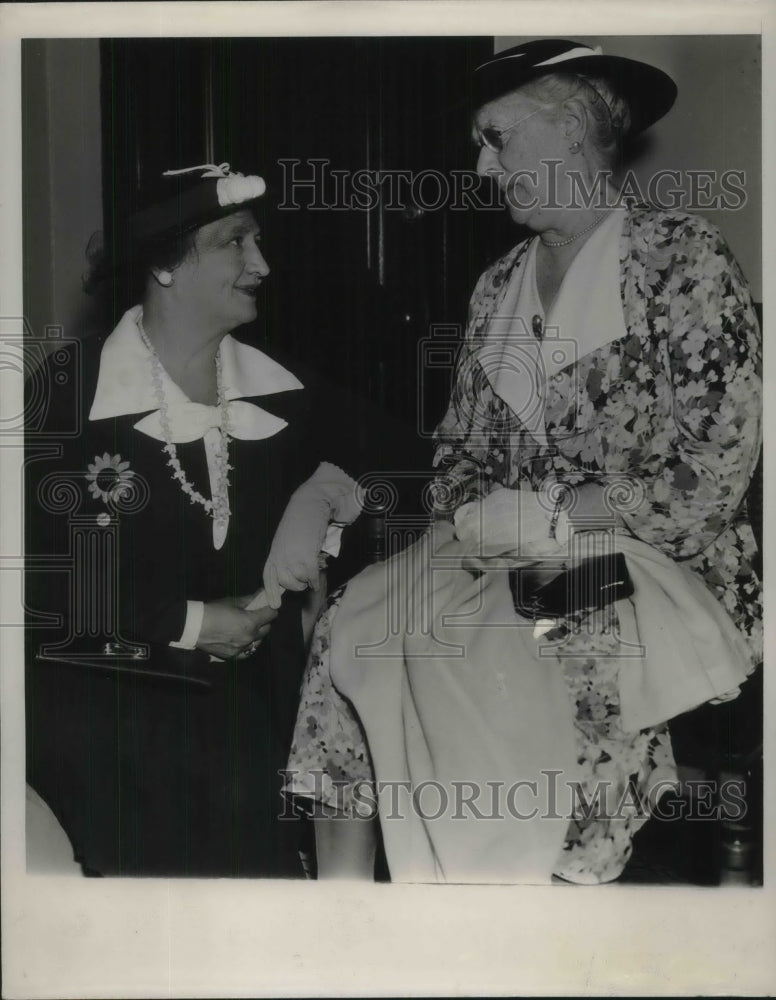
[(228, 630)]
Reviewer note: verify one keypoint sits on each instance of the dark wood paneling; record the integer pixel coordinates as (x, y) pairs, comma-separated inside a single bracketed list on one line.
[(352, 292)]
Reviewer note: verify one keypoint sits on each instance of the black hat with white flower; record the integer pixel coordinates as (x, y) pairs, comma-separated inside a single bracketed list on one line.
[(191, 197), (159, 220)]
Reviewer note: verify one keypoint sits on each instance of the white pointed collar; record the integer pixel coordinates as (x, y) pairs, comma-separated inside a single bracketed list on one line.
[(587, 313), (124, 385)]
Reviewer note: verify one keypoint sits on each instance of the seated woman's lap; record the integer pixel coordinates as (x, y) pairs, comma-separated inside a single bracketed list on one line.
[(330, 755)]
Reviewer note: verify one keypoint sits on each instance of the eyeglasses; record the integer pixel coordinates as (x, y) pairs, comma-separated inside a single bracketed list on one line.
[(493, 137)]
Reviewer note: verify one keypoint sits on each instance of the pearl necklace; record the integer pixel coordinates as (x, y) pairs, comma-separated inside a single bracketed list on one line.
[(577, 236), (218, 507)]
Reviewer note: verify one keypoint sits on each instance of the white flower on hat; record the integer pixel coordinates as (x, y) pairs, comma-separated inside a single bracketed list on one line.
[(235, 189), (232, 188)]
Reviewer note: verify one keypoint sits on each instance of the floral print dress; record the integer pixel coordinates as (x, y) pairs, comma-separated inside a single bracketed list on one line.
[(675, 406)]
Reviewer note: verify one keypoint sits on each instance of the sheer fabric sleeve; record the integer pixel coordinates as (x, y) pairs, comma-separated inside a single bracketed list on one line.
[(463, 436), (695, 473)]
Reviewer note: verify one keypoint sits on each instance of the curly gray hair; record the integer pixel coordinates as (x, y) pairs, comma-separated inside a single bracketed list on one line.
[(609, 116)]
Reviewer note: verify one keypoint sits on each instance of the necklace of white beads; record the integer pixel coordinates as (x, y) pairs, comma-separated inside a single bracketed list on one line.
[(218, 508)]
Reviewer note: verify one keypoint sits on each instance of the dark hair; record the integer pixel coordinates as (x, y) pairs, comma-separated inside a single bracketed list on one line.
[(162, 253), (120, 269), (157, 229)]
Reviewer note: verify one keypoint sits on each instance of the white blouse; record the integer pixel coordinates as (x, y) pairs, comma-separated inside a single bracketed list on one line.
[(524, 347), (125, 386)]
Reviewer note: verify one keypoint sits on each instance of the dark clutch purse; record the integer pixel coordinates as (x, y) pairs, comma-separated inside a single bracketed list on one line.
[(591, 585)]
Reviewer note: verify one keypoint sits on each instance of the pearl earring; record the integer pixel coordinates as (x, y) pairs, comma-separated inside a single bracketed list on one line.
[(164, 278), (575, 147)]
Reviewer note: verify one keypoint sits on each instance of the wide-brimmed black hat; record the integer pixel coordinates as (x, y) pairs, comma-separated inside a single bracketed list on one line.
[(183, 200), (649, 92), (164, 210)]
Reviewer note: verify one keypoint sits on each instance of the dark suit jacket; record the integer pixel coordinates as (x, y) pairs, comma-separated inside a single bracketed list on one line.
[(150, 774)]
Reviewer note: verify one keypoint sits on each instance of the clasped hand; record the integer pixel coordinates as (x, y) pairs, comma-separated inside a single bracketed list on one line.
[(229, 630)]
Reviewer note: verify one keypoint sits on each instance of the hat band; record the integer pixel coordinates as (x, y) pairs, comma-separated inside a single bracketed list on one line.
[(572, 54), (209, 170), (577, 52), (218, 192)]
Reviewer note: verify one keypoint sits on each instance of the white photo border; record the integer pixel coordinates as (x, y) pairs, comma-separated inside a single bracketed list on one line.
[(151, 938)]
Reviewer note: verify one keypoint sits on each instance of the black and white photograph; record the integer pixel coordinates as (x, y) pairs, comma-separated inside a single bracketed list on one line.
[(384, 446)]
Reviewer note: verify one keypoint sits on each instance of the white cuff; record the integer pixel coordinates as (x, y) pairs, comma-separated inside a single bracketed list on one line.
[(195, 612), (333, 540)]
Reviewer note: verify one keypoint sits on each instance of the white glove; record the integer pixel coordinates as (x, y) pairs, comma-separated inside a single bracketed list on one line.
[(329, 495)]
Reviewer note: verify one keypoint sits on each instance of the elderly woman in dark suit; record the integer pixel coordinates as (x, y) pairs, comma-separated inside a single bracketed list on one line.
[(160, 710)]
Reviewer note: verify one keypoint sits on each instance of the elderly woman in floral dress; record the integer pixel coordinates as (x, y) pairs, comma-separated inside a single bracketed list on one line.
[(615, 345)]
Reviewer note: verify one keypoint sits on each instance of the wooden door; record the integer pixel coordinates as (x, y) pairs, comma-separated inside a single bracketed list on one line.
[(358, 282)]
